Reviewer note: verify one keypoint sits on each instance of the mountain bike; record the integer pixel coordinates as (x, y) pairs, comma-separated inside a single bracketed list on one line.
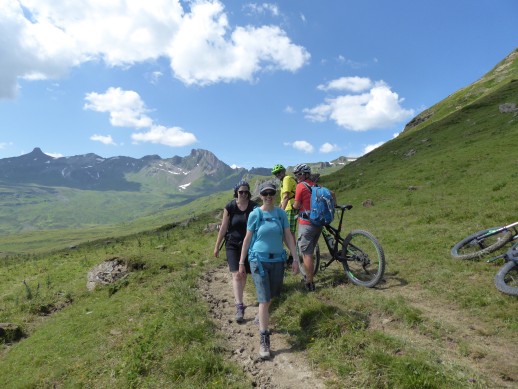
[(485, 242), (360, 253), (506, 280)]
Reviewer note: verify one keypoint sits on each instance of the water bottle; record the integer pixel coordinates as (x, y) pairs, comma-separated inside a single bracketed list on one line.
[(329, 239)]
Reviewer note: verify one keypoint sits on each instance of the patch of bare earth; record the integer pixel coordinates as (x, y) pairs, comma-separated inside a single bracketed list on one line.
[(287, 367), (449, 333), (461, 337)]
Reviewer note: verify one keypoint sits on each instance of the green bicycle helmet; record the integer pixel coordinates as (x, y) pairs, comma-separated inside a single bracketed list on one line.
[(277, 168)]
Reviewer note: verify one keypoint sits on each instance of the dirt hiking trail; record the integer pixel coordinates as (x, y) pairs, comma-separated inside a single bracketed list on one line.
[(287, 368)]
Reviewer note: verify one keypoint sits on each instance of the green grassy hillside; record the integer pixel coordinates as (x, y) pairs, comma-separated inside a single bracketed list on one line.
[(434, 322)]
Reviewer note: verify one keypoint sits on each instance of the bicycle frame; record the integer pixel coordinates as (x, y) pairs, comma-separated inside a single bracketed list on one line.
[(334, 232), (509, 255), (498, 230)]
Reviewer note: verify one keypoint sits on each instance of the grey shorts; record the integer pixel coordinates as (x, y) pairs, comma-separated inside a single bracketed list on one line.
[(271, 284), (308, 238)]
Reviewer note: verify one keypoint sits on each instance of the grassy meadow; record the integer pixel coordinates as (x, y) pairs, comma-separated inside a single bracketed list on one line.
[(434, 322)]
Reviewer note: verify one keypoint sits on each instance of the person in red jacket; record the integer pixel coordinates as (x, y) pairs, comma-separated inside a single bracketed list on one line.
[(308, 233)]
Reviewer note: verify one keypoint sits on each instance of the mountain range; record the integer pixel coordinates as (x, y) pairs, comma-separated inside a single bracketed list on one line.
[(92, 172), (201, 172), (38, 191)]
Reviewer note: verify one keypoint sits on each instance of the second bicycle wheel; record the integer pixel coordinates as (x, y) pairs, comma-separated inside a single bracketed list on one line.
[(363, 258), (506, 280), (481, 243)]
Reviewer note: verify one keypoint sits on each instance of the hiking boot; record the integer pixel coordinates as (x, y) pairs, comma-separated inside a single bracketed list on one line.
[(240, 313), (310, 286), (264, 347)]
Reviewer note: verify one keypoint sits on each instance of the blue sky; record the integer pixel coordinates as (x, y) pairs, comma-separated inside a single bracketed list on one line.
[(256, 83)]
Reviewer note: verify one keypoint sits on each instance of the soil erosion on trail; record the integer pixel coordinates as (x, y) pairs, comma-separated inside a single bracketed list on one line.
[(287, 368), (466, 340)]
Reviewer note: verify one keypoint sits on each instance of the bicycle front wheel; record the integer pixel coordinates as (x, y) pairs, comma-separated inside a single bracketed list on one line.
[(506, 280), (481, 243), (316, 261), (363, 258)]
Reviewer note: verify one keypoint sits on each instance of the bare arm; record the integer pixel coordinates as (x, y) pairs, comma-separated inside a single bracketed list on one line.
[(244, 250), (284, 200), (222, 231), (288, 239)]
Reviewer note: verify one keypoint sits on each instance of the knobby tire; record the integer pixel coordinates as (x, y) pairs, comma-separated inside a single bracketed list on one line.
[(473, 248), (506, 280), (363, 258)]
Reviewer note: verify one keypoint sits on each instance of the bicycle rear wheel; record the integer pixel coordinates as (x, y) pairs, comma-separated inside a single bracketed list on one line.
[(363, 258), (316, 261), (506, 280), (481, 243)]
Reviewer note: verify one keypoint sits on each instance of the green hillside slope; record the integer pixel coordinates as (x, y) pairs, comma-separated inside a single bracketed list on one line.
[(434, 322), (503, 73)]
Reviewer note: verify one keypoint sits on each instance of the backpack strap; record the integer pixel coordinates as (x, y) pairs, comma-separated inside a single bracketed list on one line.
[(305, 214)]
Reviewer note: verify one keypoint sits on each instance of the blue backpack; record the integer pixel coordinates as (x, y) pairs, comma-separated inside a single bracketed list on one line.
[(322, 210)]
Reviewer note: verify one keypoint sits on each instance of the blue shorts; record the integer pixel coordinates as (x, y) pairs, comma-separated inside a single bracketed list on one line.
[(271, 284)]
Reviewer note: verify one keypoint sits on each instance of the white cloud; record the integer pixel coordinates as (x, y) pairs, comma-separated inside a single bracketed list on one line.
[(328, 148), (352, 84), (126, 108), (379, 107), (174, 136), (369, 148), (105, 139), (301, 145), (155, 77), (44, 39), (289, 109), (202, 52), (263, 8)]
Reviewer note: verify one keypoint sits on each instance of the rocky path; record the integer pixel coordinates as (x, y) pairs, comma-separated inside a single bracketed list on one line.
[(287, 368)]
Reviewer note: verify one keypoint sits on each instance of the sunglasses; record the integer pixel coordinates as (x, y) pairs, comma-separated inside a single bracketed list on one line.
[(243, 192), (270, 193)]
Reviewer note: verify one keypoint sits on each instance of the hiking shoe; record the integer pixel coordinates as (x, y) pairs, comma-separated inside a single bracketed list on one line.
[(240, 312), (264, 346), (310, 286)]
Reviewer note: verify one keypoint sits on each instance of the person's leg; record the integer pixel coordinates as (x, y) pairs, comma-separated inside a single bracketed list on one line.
[(264, 316), (308, 266), (238, 286), (238, 281), (304, 242), (262, 287), (308, 238)]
